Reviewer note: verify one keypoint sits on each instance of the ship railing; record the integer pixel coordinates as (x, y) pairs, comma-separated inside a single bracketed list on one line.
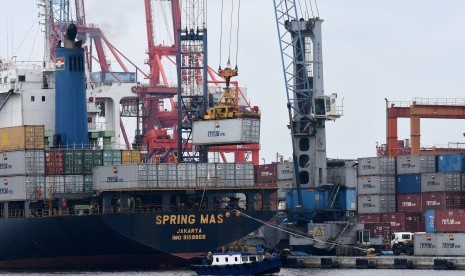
[(34, 84)]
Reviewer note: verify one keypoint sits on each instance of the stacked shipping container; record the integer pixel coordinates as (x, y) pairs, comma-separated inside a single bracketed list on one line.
[(174, 176), (428, 190)]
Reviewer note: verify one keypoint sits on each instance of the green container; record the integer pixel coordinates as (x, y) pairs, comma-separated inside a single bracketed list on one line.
[(111, 157), (74, 161), (92, 158), (88, 186)]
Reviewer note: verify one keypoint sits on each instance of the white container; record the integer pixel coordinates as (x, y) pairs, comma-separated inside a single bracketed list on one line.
[(30, 162), (441, 182), (227, 131), (187, 174), (285, 171), (450, 244), (376, 204), (375, 184), (376, 166), (116, 177), (13, 188), (206, 175), (425, 244), (244, 174)]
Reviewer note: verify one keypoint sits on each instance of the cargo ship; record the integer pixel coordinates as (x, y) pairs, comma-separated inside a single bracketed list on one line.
[(71, 199)]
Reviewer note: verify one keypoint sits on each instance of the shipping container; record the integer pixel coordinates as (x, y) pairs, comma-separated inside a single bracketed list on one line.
[(167, 176), (430, 221), (30, 162), (111, 157), (441, 182), (267, 172), (396, 220), (408, 184), (408, 164), (116, 177), (35, 186), (376, 166), (451, 220), (74, 184), (343, 175), (206, 175), (369, 218), (130, 157), (54, 162), (376, 184), (376, 204), (245, 175), (13, 188), (414, 222), (424, 244), (74, 161), (187, 175), (451, 163), (450, 244), (226, 174), (20, 138), (227, 131), (285, 171), (442, 200), (55, 184), (283, 186), (92, 158), (409, 203), (428, 163), (88, 186), (380, 230)]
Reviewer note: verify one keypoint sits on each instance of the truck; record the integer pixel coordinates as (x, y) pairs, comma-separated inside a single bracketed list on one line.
[(402, 242)]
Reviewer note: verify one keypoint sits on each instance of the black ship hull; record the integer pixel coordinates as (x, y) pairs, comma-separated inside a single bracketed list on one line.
[(123, 240)]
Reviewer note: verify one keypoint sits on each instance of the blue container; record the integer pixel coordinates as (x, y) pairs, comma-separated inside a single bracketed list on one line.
[(70, 98), (408, 184), (346, 199), (312, 199), (451, 163), (429, 221)]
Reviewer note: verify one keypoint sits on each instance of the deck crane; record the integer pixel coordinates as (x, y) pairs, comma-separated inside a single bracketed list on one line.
[(308, 108)]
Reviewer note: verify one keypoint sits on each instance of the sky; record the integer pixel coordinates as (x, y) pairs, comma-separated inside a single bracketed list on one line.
[(372, 51)]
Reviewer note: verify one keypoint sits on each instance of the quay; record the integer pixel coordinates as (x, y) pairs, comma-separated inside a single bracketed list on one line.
[(376, 262)]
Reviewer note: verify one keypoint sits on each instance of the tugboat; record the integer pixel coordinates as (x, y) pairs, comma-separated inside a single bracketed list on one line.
[(239, 263)]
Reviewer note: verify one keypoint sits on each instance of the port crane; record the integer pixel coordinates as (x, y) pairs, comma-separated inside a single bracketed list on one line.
[(308, 108)]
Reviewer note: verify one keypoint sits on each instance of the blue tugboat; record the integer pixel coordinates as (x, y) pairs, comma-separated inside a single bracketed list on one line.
[(239, 263)]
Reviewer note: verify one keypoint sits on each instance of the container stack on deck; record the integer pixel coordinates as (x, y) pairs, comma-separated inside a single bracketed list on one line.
[(21, 162)]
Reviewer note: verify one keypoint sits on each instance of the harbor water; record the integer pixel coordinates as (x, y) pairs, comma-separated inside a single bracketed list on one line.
[(284, 272)]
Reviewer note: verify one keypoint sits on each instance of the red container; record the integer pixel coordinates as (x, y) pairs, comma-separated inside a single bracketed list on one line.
[(409, 203), (267, 172), (413, 222), (396, 220), (380, 229), (267, 183), (450, 220), (372, 218), (442, 201), (54, 162)]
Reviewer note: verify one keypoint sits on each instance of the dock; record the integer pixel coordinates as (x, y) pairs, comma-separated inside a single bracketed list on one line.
[(376, 262)]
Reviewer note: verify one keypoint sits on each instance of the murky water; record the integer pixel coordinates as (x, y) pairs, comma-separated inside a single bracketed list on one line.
[(284, 272)]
